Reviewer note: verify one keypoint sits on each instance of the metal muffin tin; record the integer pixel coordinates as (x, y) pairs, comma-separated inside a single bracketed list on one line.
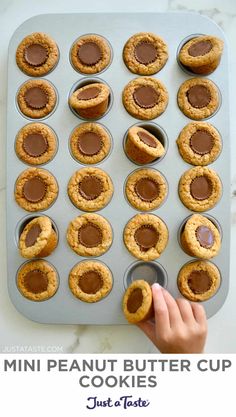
[(63, 307)]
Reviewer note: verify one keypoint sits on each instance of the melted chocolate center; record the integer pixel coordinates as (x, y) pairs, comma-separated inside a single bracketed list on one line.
[(199, 282), (205, 237), (32, 235), (90, 282), (145, 96), (147, 189), (135, 300), (36, 281)]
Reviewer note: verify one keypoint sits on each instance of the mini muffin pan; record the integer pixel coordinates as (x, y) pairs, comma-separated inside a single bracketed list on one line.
[(174, 28)]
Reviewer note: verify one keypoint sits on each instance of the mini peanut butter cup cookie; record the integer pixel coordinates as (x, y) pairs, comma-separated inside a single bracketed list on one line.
[(146, 189), (137, 302), (38, 238), (199, 143), (37, 54), (199, 280), (89, 235), (36, 144), (145, 53), (145, 98), (146, 236), (90, 281), (142, 147), (90, 143), (200, 237), (36, 98), (90, 101), (198, 98), (37, 280), (90, 189), (200, 188), (202, 54), (35, 189), (90, 54)]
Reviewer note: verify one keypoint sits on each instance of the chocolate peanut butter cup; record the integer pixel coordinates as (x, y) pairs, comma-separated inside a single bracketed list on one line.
[(146, 189), (199, 280), (90, 143), (90, 189), (200, 237), (38, 238), (37, 54), (137, 302), (37, 280), (90, 101), (89, 235), (142, 146), (145, 98), (36, 98), (201, 54), (145, 53), (90, 54), (200, 188), (199, 143), (35, 144), (146, 237)]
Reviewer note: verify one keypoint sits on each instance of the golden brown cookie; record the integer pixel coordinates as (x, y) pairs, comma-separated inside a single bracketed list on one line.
[(90, 143), (36, 144), (146, 189), (36, 98), (137, 302), (145, 53), (202, 54), (200, 188), (36, 189), (146, 236), (141, 146), (90, 189), (199, 143), (199, 280), (145, 98), (37, 54), (89, 235), (90, 281), (90, 54), (38, 238), (200, 237), (37, 280), (198, 98), (90, 101)]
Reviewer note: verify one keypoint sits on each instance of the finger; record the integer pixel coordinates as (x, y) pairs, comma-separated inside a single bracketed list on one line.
[(185, 310), (148, 328), (173, 309), (160, 309), (199, 314)]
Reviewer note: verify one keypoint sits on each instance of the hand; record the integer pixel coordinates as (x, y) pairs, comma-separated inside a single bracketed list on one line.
[(180, 326)]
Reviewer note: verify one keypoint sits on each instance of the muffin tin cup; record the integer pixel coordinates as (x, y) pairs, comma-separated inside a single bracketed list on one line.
[(63, 307), (25, 220)]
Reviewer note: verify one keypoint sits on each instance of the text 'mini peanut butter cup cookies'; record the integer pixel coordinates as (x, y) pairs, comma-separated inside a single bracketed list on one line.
[(199, 143), (201, 54), (36, 98), (36, 189), (146, 236), (90, 281), (37, 280), (199, 280), (198, 98), (90, 101), (137, 302), (200, 237), (90, 54), (142, 146), (36, 144), (90, 189), (37, 54), (145, 98), (90, 143), (200, 188), (145, 53), (89, 235), (38, 238)]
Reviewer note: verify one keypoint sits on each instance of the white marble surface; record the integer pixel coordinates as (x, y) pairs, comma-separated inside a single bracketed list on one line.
[(18, 333)]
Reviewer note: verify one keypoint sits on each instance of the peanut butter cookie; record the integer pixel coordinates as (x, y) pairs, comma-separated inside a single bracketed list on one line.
[(199, 280), (145, 53), (36, 98), (200, 188), (142, 147), (145, 98), (90, 281), (90, 101), (137, 302), (90, 54)]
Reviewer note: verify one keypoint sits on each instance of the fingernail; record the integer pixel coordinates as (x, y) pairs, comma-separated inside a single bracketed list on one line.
[(156, 285)]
